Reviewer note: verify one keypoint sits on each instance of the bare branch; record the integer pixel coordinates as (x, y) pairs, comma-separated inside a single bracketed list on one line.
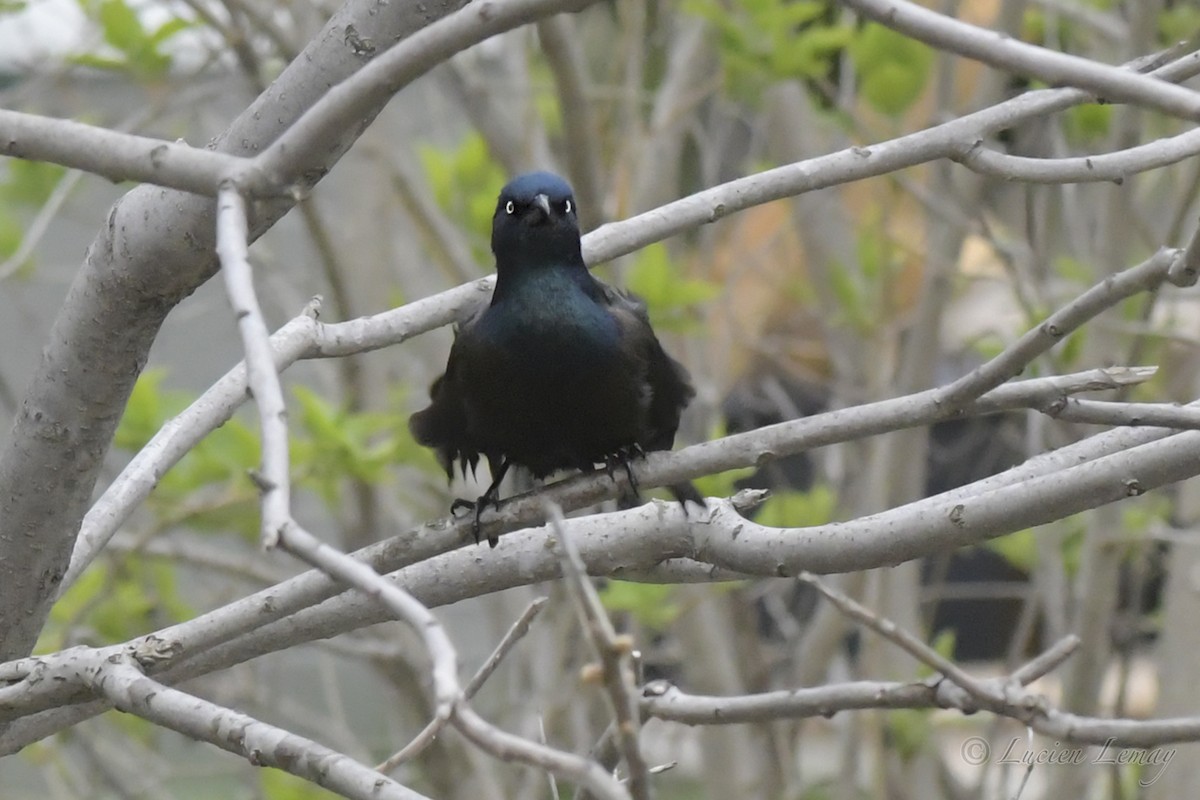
[(560, 43), (1047, 661), (274, 481), (1151, 273), (949, 140), (355, 97), (507, 747), (614, 653), (1057, 69), (122, 682), (667, 702), (398, 602), (423, 739), (1115, 167), (1102, 412), (113, 155), (900, 637)]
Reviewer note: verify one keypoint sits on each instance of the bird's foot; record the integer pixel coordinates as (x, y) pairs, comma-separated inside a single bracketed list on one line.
[(622, 458), (477, 506)]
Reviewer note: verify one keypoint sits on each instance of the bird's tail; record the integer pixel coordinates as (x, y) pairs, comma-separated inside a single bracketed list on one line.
[(685, 493)]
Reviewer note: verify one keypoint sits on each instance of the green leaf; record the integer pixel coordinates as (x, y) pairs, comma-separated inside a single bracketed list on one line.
[(721, 484), (121, 26), (649, 603), (1088, 123), (279, 785), (30, 183), (11, 235), (1179, 22), (138, 47), (465, 182), (144, 413), (669, 295), (1018, 548), (909, 732), (118, 601), (792, 509), (765, 41), (893, 69)]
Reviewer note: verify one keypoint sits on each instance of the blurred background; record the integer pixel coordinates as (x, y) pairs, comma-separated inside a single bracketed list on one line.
[(828, 300)]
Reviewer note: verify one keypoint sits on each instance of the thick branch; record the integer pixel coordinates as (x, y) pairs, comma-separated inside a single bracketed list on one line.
[(103, 332)]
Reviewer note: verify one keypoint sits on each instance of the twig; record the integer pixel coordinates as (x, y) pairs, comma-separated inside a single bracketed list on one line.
[(277, 523), (508, 747), (32, 234), (902, 639), (614, 653), (1112, 290), (397, 601), (1104, 412), (1112, 83), (117, 156), (1047, 661), (1114, 167), (562, 48), (123, 683), (423, 739), (379, 79), (261, 376), (947, 140)]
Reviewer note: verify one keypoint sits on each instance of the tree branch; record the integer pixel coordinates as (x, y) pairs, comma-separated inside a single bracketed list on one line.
[(122, 683), (1057, 69)]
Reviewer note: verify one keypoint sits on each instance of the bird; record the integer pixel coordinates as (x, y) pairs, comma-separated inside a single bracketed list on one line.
[(559, 370)]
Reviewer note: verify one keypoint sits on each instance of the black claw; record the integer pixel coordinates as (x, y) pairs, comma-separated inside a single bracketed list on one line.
[(461, 504), (622, 458)]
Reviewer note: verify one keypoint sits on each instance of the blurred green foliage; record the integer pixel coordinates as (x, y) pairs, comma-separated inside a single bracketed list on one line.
[(1088, 123), (670, 295), (209, 491), (23, 185), (333, 443), (29, 183), (136, 48), (465, 182), (863, 290), (115, 601), (892, 68), (278, 785), (765, 41), (651, 604), (794, 509), (909, 731), (1179, 22), (11, 234)]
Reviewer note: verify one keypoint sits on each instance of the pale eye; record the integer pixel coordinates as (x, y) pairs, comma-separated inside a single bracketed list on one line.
[(567, 205), (509, 207)]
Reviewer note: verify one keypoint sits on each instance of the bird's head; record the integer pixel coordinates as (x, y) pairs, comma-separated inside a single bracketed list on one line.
[(535, 222)]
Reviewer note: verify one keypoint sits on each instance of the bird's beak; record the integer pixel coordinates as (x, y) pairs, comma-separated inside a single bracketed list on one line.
[(543, 202)]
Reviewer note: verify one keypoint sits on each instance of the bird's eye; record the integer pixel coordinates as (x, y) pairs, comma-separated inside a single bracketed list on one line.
[(509, 207), (567, 206)]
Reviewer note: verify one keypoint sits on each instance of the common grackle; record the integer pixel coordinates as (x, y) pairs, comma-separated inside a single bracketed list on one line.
[(559, 371)]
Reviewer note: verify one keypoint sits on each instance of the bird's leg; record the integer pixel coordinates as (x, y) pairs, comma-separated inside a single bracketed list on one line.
[(621, 458), (492, 495)]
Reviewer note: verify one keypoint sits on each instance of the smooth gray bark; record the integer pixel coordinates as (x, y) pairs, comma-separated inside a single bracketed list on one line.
[(155, 250)]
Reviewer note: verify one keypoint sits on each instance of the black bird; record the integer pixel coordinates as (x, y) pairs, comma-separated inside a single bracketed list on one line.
[(559, 371)]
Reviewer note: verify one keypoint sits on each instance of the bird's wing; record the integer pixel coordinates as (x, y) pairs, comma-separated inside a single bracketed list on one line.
[(443, 424), (667, 385)]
